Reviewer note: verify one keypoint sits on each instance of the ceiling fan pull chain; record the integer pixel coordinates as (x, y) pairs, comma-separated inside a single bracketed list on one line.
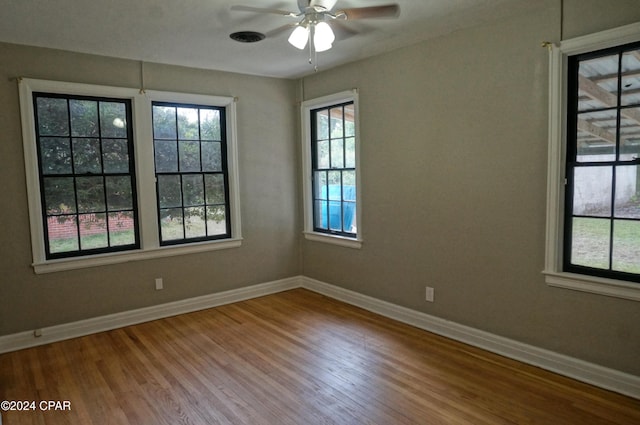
[(312, 51), (315, 61)]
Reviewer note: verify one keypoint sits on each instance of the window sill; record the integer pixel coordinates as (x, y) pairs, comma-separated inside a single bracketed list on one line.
[(52, 266), (334, 239), (594, 285)]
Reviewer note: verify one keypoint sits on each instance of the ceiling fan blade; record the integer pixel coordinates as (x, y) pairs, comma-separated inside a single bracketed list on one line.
[(277, 31), (324, 4), (327, 4), (384, 11), (263, 10), (341, 30)]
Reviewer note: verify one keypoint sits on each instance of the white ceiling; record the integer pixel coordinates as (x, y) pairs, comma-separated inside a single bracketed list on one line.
[(195, 33)]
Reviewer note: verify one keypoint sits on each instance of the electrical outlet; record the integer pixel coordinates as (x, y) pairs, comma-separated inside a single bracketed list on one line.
[(159, 284), (429, 293)]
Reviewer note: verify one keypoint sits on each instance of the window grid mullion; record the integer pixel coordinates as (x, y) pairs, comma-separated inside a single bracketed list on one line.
[(342, 200), (73, 173), (344, 138), (202, 174), (104, 176), (614, 171)]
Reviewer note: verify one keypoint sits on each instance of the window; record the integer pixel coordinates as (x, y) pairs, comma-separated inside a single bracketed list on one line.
[(593, 221), (602, 206), (114, 174), (191, 172), (330, 144), (86, 172)]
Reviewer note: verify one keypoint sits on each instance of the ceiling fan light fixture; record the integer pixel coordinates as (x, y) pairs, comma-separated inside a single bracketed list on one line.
[(323, 37), (313, 30), (299, 37)]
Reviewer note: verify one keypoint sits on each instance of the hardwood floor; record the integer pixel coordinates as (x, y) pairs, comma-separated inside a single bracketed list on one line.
[(296, 357)]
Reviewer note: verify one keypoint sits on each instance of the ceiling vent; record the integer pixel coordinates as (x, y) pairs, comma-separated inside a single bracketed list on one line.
[(247, 36)]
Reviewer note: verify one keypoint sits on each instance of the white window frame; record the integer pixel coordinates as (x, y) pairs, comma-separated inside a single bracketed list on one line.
[(554, 274), (145, 176), (306, 108)]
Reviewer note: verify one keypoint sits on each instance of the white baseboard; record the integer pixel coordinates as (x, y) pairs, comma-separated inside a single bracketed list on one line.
[(580, 370), (56, 333)]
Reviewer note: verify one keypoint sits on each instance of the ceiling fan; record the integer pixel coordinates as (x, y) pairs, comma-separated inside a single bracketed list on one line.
[(317, 16)]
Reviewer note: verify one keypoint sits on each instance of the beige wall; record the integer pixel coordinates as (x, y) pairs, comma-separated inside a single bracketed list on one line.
[(454, 163), (268, 157), (454, 151)]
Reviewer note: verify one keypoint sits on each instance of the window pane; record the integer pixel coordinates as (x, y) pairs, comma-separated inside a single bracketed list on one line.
[(334, 177), (194, 222), (119, 194), (596, 136), (216, 221), (626, 246), (629, 133), (320, 214), (320, 189), (627, 191), (189, 156), (590, 243), (211, 156), (337, 129), (214, 189), (210, 124), (188, 124), (335, 188), (335, 215), (86, 156), (84, 118), (55, 154), (90, 191), (171, 224), (93, 231), (631, 77), (349, 185), (350, 152), (596, 92), (349, 213), (115, 155), (349, 124), (169, 191), (166, 156), (193, 190), (53, 116), (59, 195), (592, 191), (113, 119), (322, 125), (337, 153), (322, 154), (121, 228), (164, 122), (62, 234)]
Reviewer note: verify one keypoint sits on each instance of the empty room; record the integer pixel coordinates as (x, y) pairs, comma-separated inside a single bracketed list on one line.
[(320, 212)]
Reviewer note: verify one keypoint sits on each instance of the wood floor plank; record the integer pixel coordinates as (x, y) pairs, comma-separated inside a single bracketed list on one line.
[(295, 357)]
